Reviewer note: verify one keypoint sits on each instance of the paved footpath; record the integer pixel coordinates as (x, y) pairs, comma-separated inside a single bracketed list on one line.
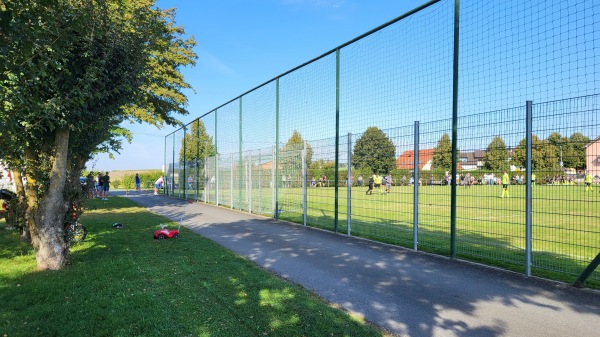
[(405, 292)]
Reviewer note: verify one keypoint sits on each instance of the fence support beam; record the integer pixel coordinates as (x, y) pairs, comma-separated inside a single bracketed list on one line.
[(587, 272)]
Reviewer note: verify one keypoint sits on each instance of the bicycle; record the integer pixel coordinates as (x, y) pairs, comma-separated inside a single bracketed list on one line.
[(75, 232)]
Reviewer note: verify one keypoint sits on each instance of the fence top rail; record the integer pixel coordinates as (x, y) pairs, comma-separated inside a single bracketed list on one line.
[(360, 37)]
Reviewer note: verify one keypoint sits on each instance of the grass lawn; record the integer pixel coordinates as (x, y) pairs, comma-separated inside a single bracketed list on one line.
[(125, 283), (489, 229)]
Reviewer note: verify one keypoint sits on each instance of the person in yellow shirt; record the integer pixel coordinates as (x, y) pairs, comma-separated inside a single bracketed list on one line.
[(505, 182), (377, 180), (588, 182)]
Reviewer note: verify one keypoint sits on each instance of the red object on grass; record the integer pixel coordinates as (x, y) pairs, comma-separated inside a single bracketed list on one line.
[(166, 233)]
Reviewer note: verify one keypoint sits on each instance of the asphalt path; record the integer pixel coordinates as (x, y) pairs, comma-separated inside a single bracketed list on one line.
[(405, 292)]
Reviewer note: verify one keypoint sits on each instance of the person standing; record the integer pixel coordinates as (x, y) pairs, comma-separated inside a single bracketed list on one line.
[(588, 182), (158, 185), (360, 180), (105, 185), (377, 180), (388, 183), (138, 184), (371, 183), (99, 188), (505, 182)]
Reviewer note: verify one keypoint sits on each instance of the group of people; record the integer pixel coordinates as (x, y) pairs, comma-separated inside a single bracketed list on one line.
[(101, 184), (376, 181), (321, 182)]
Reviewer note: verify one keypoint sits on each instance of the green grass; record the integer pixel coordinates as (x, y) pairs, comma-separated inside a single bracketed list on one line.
[(489, 229), (125, 283)]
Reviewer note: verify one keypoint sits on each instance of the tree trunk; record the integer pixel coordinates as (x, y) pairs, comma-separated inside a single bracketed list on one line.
[(21, 205), (45, 213)]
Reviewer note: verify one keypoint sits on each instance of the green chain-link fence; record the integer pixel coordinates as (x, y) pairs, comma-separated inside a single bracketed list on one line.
[(395, 102)]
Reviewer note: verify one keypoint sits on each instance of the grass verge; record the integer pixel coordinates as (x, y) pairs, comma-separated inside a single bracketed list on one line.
[(122, 282)]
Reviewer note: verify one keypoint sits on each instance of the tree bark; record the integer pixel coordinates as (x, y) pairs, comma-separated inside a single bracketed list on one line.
[(45, 212)]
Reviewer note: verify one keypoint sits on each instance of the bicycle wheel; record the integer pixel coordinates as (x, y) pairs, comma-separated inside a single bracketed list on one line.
[(76, 233)]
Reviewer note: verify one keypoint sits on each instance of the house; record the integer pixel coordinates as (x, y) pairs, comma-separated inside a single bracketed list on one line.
[(406, 160), (592, 155), (471, 160)]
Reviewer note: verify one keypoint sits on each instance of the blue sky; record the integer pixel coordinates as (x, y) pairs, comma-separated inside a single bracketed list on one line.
[(242, 44)]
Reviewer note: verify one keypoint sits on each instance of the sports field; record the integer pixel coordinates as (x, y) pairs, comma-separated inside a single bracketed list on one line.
[(489, 228)]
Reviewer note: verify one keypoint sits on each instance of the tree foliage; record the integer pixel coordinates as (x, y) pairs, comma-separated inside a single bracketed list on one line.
[(197, 144), (70, 73), (290, 155), (442, 153), (543, 154), (496, 156), (374, 151), (574, 156)]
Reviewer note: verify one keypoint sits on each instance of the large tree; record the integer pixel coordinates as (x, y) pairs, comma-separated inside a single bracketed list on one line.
[(290, 155), (574, 155), (560, 144), (71, 72), (442, 153), (496, 156), (197, 144), (543, 154), (374, 151)]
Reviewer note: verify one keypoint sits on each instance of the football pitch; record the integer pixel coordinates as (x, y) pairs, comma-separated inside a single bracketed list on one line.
[(565, 231)]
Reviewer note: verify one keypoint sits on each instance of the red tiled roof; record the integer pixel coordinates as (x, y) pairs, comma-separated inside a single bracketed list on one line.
[(407, 159)]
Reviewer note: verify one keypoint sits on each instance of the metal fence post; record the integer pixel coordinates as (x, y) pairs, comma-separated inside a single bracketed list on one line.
[(416, 189), (172, 187), (206, 186), (273, 196), (217, 185), (249, 181), (337, 136), (184, 162), (528, 191), (349, 201), (231, 181), (304, 192), (275, 160), (196, 166), (260, 209), (456, 61), (240, 159)]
